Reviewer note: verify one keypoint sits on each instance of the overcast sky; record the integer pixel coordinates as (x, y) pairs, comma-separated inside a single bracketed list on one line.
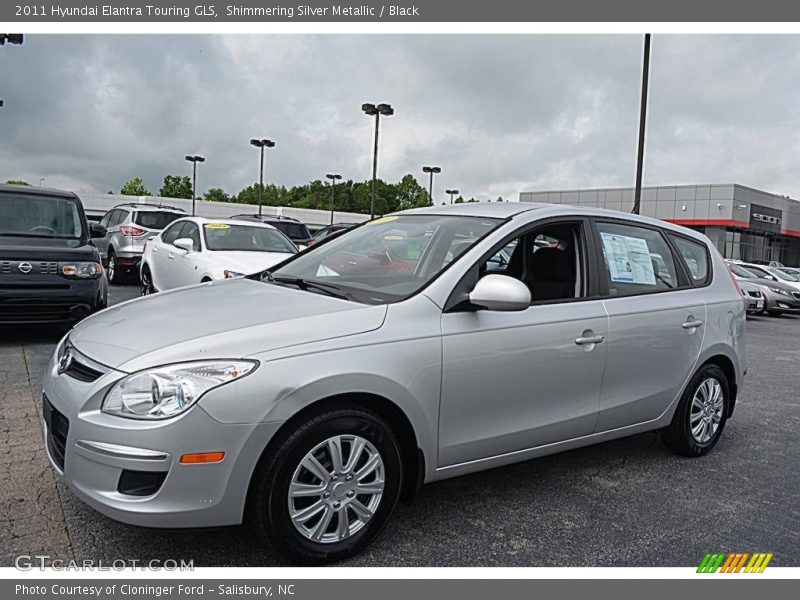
[(499, 114)]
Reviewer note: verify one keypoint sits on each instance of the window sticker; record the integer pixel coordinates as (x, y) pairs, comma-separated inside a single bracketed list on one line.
[(628, 259), (217, 226)]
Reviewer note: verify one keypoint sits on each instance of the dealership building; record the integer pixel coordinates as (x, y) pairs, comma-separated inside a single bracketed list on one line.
[(744, 223)]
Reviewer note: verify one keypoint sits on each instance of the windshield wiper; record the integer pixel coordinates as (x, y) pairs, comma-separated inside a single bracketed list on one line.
[(309, 284)]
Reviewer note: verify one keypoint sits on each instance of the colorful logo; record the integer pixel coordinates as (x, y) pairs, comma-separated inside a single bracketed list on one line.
[(735, 562)]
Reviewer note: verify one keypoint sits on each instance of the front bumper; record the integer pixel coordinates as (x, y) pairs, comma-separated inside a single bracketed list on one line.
[(99, 455), (45, 300), (781, 303)]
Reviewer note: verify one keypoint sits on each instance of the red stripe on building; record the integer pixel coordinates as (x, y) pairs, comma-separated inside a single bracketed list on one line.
[(710, 223), (790, 232)]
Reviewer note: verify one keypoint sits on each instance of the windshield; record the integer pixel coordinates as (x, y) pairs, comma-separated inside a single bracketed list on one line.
[(781, 274), (294, 231), (245, 238), (759, 272), (48, 217), (742, 272), (155, 220), (390, 258)]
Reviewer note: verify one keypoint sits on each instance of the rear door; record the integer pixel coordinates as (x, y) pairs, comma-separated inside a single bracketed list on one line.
[(656, 323)]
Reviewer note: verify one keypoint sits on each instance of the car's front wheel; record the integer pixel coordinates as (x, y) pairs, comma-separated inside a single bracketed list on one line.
[(701, 414), (328, 485), (147, 282)]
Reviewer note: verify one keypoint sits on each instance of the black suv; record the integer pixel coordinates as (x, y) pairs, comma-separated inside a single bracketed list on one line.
[(50, 271), (292, 228)]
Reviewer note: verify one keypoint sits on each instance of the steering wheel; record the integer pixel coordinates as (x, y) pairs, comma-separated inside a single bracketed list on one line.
[(44, 228)]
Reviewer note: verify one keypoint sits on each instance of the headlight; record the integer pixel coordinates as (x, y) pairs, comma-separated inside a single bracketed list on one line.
[(164, 392), (780, 291), (232, 274), (81, 270)]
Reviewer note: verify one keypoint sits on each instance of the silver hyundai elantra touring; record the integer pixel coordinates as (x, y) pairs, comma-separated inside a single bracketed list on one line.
[(423, 345)]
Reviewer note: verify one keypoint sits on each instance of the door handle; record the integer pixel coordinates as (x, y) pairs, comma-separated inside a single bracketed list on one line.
[(591, 339), (691, 324)]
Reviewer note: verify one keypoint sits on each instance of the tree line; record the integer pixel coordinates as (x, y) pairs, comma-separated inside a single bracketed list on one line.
[(351, 196)]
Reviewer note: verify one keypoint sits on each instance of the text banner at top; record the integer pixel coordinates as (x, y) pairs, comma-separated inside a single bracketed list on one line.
[(460, 11)]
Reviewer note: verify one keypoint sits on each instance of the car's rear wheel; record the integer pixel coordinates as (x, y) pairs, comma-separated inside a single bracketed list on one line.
[(701, 414), (328, 485), (112, 271), (147, 287)]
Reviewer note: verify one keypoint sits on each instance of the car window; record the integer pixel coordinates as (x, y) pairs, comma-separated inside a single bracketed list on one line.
[(118, 218), (106, 218), (154, 219), (637, 260), (547, 259), (321, 234), (695, 257), (246, 238), (759, 272), (171, 234), (191, 231), (39, 217), (294, 231)]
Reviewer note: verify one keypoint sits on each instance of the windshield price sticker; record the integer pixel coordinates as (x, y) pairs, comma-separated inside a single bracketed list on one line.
[(217, 226)]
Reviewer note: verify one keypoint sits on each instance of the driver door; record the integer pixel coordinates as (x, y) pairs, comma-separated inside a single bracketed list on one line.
[(513, 381), (184, 264)]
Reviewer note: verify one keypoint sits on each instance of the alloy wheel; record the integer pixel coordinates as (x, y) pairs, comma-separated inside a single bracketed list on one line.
[(336, 489), (705, 413)]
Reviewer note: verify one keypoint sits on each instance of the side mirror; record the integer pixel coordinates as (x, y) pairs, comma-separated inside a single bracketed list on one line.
[(184, 244), (500, 292), (97, 231)]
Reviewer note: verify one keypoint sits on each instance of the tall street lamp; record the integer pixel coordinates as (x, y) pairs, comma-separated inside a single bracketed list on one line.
[(452, 193), (194, 159), (637, 196), (261, 144), (431, 171), (371, 110), (333, 177)]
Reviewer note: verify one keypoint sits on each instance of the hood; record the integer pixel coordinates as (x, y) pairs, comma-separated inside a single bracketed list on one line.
[(248, 262), (232, 318), (769, 283)]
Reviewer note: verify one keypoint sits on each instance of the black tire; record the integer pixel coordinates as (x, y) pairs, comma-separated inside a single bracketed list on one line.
[(268, 502), (147, 288), (678, 436), (114, 275)]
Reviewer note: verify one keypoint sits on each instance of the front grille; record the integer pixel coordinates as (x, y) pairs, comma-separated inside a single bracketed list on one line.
[(82, 372), (43, 267), (57, 431)]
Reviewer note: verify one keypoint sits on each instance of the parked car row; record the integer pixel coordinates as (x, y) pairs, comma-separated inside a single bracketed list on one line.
[(778, 289)]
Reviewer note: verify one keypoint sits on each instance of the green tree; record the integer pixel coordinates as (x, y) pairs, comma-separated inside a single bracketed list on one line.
[(176, 186), (410, 194), (216, 195), (17, 182), (134, 187)]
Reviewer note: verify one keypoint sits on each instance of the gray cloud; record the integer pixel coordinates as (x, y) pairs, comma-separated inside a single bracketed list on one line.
[(498, 113)]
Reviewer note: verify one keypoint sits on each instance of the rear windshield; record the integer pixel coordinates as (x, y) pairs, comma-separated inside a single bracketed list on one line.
[(35, 217), (246, 238), (294, 231), (155, 220)]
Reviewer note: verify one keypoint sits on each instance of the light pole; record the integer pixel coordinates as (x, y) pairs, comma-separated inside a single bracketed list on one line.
[(261, 144), (333, 177), (194, 159), (452, 193), (637, 198), (431, 171), (387, 111), (41, 181)]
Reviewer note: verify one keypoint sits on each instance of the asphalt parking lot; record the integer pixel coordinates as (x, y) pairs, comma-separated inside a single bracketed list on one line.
[(624, 503)]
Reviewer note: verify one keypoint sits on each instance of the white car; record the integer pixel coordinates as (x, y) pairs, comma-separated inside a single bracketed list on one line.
[(194, 250), (775, 274)]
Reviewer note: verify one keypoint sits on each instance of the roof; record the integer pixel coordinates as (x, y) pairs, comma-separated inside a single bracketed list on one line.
[(499, 210), (36, 191)]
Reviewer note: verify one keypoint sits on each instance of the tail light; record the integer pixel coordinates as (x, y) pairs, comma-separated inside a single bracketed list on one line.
[(131, 231)]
